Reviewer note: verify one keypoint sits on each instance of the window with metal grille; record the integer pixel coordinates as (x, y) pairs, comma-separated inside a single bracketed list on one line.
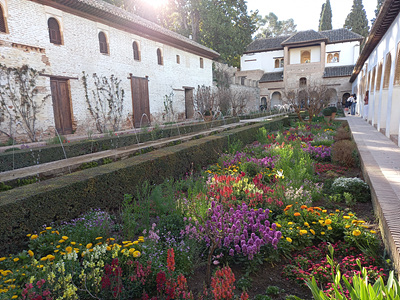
[(103, 43), (54, 31), (136, 53)]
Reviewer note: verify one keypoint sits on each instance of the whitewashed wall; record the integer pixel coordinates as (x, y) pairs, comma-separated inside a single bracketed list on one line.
[(27, 23), (261, 61), (349, 53), (295, 54)]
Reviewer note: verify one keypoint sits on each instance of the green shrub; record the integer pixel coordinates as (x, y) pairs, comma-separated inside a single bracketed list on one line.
[(327, 111), (354, 186)]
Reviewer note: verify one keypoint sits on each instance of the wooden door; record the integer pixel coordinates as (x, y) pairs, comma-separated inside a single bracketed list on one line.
[(61, 105), (189, 107), (140, 101)]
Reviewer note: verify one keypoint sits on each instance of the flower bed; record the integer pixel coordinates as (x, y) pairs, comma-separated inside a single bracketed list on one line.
[(256, 203)]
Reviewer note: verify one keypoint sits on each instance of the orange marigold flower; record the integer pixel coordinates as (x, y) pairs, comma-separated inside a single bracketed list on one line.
[(303, 207), (297, 214)]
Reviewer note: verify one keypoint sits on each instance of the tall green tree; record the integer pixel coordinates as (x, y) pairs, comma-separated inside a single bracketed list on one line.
[(227, 28), (377, 10), (325, 22), (320, 15), (270, 26), (356, 20)]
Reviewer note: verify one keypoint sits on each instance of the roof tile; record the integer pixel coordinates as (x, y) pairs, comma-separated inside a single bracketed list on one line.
[(273, 76), (338, 71)]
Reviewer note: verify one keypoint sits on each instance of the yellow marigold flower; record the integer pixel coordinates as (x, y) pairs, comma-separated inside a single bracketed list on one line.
[(328, 221), (372, 231), (73, 243), (324, 211), (30, 252), (99, 243), (353, 221), (77, 250), (48, 228), (14, 297), (135, 242), (34, 236), (306, 224), (278, 225), (360, 221), (91, 250), (337, 210), (303, 232), (131, 250), (126, 242), (61, 241), (141, 240), (331, 214), (88, 246), (356, 232), (111, 239), (16, 259), (346, 217), (350, 214), (108, 248), (50, 257), (42, 232), (312, 231), (289, 239), (321, 222), (3, 258), (57, 232), (123, 250), (136, 254), (55, 251), (43, 258), (99, 238), (28, 235), (64, 237), (68, 249), (329, 228), (322, 233), (40, 266), (347, 226), (290, 223)]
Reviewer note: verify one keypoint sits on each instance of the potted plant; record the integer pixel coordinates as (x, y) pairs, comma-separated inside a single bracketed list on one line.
[(334, 111), (327, 112), (207, 115)]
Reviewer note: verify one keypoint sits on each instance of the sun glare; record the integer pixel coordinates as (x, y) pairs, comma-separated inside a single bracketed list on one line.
[(157, 3)]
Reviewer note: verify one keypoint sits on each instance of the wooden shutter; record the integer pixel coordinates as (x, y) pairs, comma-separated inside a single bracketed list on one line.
[(2, 20), (103, 43), (54, 31)]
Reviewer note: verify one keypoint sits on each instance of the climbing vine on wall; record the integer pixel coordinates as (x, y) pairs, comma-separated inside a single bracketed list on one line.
[(105, 101), (20, 100)]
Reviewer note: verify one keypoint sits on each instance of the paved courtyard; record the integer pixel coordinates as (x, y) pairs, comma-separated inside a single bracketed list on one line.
[(380, 161)]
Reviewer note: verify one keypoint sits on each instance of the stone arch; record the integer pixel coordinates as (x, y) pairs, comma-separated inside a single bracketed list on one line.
[(388, 65), (379, 76), (276, 98), (373, 79), (345, 96)]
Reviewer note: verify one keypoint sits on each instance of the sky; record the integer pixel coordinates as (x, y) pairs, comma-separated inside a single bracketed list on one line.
[(305, 13)]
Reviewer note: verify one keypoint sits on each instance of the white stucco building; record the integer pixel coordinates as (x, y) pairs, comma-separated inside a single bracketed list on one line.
[(64, 38), (293, 61), (378, 71)]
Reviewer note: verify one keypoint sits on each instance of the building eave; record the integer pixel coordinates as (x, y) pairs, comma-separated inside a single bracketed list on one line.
[(388, 13), (116, 17)]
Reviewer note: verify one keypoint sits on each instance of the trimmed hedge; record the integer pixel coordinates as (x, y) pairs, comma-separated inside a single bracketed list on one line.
[(27, 208), (30, 157)]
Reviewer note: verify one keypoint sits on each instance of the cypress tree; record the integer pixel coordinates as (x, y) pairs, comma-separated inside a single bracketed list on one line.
[(320, 16), (326, 17), (377, 10), (356, 20)]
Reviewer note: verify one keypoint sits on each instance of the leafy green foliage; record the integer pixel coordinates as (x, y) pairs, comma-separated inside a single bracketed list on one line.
[(270, 26)]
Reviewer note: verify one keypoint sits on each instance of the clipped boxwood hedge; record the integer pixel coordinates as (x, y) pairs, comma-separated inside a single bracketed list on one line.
[(30, 157), (27, 208)]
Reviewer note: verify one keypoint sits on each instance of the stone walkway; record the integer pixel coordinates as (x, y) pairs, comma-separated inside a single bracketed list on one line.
[(380, 163)]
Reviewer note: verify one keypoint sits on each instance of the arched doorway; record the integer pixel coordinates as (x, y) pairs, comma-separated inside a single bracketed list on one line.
[(263, 104), (344, 99), (276, 99)]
